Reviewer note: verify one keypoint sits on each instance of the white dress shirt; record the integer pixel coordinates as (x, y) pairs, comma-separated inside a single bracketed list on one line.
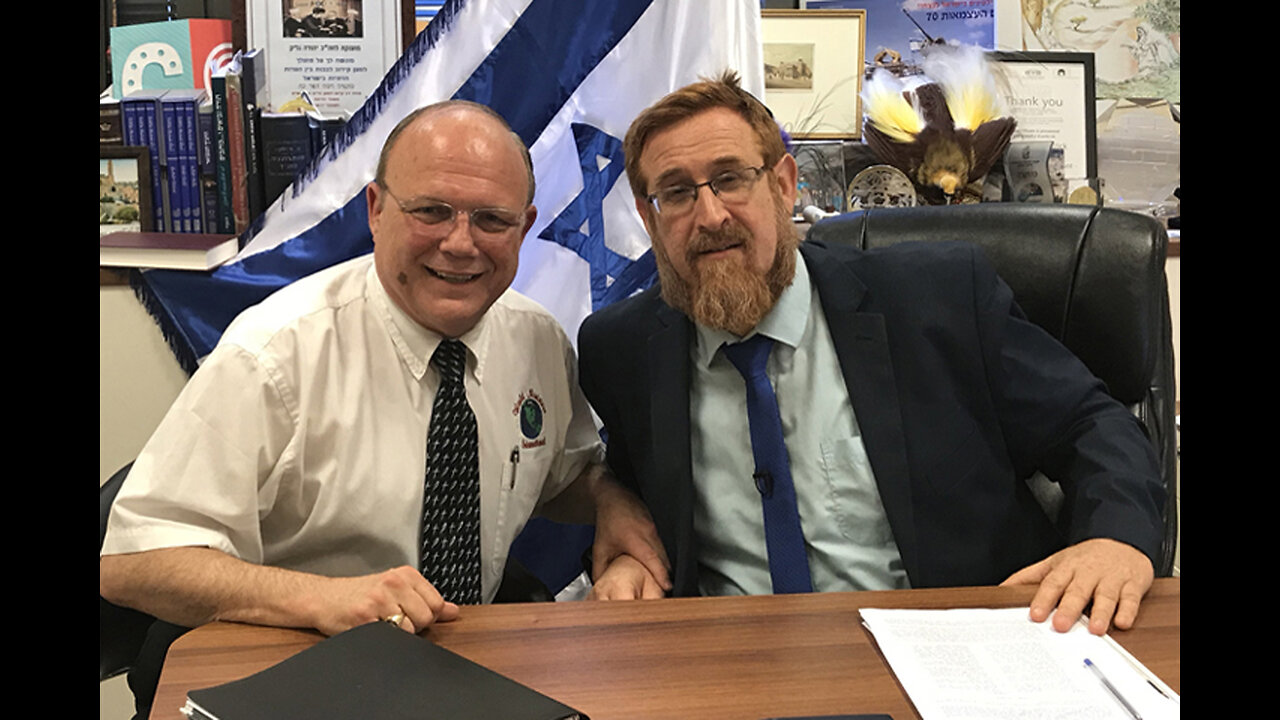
[(301, 441), (848, 540)]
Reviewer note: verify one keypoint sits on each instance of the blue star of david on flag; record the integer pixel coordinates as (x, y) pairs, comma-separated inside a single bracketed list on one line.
[(580, 227)]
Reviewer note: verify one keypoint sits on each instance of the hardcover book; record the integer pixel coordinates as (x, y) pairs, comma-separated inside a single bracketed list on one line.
[(207, 157), (222, 155), (237, 145), (110, 125), (143, 125), (172, 251), (286, 150), (376, 671), (323, 129), (253, 92), (181, 108)]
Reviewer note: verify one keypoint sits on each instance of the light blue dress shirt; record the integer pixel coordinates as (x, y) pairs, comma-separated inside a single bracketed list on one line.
[(847, 536)]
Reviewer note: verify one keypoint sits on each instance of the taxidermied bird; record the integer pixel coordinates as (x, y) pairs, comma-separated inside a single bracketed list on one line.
[(945, 129)]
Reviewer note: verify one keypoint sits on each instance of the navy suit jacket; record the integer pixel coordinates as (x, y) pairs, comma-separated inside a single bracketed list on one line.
[(958, 396)]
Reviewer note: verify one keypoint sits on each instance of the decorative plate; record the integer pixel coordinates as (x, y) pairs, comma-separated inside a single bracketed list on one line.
[(881, 186)]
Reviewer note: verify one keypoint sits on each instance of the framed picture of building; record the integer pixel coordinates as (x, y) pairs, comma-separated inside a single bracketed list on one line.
[(124, 197), (813, 71)]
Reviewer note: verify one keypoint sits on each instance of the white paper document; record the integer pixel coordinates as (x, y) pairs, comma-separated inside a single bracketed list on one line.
[(983, 664)]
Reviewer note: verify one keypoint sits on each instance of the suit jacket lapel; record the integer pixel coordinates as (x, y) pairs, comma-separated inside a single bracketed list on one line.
[(669, 379), (862, 345)]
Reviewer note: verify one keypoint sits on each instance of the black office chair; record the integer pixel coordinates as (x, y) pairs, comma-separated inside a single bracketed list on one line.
[(1092, 277), (121, 631), (128, 640)]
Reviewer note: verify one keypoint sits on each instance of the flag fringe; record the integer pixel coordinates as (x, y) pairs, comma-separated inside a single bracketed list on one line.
[(169, 329)]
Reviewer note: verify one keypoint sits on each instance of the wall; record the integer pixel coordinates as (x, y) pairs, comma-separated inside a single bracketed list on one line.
[(138, 378)]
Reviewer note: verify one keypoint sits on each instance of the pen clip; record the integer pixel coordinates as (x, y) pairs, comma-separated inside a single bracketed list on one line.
[(515, 465)]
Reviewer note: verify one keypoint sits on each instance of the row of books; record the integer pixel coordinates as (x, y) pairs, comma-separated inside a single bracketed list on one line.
[(218, 157)]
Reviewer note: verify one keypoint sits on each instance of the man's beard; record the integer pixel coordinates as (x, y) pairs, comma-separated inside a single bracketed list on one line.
[(729, 295)]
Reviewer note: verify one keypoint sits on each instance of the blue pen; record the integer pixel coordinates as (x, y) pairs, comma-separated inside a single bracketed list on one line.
[(1112, 689)]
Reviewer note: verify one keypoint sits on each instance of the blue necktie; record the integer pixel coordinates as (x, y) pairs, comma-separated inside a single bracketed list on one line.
[(788, 565)]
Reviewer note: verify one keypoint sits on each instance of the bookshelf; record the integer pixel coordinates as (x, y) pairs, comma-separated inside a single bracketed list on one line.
[(269, 161)]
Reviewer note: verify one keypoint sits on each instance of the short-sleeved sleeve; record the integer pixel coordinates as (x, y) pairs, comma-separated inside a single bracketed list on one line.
[(202, 478)]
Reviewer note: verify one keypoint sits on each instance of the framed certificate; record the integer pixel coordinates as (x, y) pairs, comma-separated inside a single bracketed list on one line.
[(1052, 96)]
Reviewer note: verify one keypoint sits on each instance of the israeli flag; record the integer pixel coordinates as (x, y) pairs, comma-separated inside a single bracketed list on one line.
[(569, 76)]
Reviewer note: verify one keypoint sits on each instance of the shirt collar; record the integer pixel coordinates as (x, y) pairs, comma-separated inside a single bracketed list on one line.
[(416, 344), (785, 321)]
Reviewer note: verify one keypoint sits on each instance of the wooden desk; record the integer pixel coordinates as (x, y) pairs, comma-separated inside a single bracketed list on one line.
[(744, 657)]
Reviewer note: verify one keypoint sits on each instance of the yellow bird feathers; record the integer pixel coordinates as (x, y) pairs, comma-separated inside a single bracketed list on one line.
[(967, 81), (888, 110), (944, 129)]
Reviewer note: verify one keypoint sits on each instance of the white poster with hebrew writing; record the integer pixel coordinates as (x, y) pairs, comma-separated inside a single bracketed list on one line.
[(334, 51)]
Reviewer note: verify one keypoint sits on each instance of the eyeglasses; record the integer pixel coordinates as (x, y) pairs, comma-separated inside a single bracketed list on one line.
[(731, 186), (437, 217)]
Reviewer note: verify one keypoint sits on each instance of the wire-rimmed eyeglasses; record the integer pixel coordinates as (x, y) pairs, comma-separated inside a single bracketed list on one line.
[(438, 216), (731, 186)]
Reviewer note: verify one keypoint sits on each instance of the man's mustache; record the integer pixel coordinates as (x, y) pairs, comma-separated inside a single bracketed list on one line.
[(713, 240)]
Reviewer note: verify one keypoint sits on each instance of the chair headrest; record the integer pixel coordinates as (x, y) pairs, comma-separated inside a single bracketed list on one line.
[(1092, 277)]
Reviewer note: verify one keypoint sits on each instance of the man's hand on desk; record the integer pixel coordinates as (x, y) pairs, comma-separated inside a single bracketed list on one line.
[(1110, 574), (626, 579), (190, 586), (344, 603)]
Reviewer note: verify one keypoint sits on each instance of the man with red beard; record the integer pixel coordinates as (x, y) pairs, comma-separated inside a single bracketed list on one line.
[(903, 401)]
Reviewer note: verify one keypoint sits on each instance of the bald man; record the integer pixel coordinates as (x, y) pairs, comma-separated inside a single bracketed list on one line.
[(291, 483)]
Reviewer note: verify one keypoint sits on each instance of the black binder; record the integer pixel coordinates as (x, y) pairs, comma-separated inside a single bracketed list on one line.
[(375, 671)]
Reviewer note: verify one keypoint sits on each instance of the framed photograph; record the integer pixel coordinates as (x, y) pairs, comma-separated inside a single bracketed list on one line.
[(1052, 96), (813, 62), (334, 51), (124, 197)]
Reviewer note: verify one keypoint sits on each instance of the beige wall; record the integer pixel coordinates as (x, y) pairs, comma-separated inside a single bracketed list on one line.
[(138, 378)]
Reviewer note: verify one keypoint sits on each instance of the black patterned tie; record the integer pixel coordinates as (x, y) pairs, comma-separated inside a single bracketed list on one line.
[(451, 498)]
